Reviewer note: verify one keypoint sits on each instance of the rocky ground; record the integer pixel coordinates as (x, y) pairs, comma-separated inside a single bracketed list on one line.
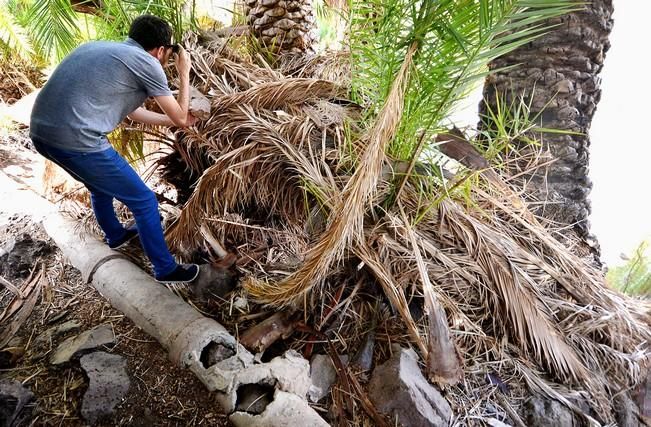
[(135, 375)]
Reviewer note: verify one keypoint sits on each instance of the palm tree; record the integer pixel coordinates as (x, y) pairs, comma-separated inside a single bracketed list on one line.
[(285, 26), (559, 74), (14, 40)]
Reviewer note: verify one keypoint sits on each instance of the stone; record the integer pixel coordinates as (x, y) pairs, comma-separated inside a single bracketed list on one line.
[(109, 384), (323, 374), (93, 338), (399, 389), (286, 410), (18, 262), (268, 3), (213, 281), (50, 334), (364, 357), (7, 247), (643, 398), (241, 303), (627, 412), (13, 400), (199, 105), (541, 412)]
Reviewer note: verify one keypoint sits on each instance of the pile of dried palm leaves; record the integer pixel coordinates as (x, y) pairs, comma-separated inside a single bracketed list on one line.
[(325, 223)]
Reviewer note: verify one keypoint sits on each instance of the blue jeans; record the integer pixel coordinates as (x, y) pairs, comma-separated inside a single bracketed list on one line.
[(107, 176)]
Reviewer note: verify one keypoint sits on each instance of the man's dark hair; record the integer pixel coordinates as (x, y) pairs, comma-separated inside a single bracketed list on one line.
[(150, 31)]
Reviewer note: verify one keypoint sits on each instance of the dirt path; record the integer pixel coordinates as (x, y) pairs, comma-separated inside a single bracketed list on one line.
[(160, 393)]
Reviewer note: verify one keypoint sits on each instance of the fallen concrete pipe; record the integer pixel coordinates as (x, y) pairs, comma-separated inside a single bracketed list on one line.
[(182, 330), (192, 340)]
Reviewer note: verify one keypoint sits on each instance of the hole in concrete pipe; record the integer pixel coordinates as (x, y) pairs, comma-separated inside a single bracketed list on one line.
[(214, 353), (254, 398)]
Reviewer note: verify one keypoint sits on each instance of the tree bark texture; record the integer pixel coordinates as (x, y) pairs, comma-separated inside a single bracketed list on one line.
[(285, 26), (558, 72)]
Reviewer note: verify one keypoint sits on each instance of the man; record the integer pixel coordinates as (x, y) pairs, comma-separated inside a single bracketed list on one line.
[(88, 95)]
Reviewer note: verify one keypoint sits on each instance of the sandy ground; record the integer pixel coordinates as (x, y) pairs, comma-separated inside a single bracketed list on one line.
[(160, 393)]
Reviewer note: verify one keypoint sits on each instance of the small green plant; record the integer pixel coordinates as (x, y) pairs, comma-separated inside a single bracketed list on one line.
[(330, 22), (13, 36), (634, 277)]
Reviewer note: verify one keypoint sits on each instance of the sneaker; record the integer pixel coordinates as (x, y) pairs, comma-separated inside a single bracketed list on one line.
[(183, 273), (131, 232)]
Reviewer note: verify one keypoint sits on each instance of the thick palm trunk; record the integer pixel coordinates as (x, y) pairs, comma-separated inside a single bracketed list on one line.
[(560, 72), (285, 26)]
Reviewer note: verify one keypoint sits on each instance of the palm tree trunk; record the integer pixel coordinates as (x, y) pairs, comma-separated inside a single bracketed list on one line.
[(284, 26), (559, 73)]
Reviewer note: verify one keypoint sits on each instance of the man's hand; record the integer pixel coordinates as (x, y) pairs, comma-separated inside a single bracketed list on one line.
[(177, 109), (191, 120), (182, 61)]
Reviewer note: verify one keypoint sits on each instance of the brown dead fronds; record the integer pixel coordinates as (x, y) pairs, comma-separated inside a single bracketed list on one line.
[(481, 287)]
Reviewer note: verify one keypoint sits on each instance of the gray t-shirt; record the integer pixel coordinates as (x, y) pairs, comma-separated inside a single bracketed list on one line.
[(92, 91)]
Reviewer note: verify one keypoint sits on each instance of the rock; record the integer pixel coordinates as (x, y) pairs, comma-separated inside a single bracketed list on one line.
[(643, 398), (286, 410), (627, 412), (213, 281), (199, 105), (50, 334), (109, 384), (241, 303), (323, 374), (399, 389), (100, 335), (7, 247), (541, 412), (13, 398), (364, 357), (20, 260)]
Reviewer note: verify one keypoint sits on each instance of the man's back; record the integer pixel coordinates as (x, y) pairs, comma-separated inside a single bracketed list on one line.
[(92, 91)]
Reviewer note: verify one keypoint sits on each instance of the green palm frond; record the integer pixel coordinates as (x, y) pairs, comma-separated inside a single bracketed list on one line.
[(53, 24), (13, 36), (456, 40)]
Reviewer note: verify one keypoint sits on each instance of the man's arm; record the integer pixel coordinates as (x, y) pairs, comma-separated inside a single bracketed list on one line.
[(142, 115), (177, 109)]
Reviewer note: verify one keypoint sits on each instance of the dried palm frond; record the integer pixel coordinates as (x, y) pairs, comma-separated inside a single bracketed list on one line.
[(346, 222), (299, 185)]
